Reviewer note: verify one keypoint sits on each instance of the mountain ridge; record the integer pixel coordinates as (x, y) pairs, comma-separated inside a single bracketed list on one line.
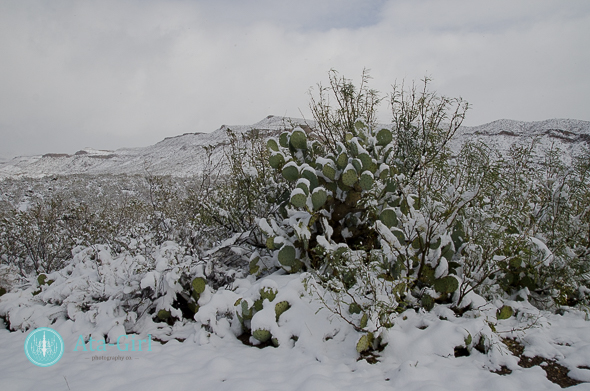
[(185, 155)]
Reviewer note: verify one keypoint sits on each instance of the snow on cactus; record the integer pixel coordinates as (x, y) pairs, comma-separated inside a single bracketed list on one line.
[(368, 201)]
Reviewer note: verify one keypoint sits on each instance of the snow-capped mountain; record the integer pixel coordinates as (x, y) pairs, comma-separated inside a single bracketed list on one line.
[(569, 135), (185, 155), (182, 155)]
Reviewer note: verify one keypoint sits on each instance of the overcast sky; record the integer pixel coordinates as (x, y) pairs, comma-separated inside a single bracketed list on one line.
[(112, 74)]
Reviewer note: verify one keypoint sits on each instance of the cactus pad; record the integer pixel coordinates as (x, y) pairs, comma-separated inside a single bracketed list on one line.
[(388, 217), (427, 302), (247, 312), (276, 160), (366, 181), (298, 198), (358, 166), (272, 145), (281, 307), (505, 312), (399, 234), (290, 172), (342, 160), (448, 284), (384, 137), (329, 171), (261, 335), (287, 255), (298, 139), (163, 314), (319, 197), (309, 174), (284, 140), (199, 285), (253, 266), (303, 184), (268, 293)]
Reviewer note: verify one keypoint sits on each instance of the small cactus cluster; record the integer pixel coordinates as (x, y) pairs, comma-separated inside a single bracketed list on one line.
[(246, 309), (198, 285), (42, 281)]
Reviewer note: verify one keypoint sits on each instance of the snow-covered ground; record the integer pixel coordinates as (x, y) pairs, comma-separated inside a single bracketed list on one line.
[(419, 354), (436, 350)]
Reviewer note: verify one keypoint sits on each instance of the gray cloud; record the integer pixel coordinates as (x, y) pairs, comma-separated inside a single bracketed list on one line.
[(111, 74)]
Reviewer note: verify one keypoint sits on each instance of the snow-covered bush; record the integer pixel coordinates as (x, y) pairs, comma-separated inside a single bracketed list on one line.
[(106, 293)]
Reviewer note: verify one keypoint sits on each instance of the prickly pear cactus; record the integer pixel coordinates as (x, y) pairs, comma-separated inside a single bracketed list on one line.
[(281, 307), (327, 204), (261, 335), (448, 284), (163, 315), (352, 198), (268, 293)]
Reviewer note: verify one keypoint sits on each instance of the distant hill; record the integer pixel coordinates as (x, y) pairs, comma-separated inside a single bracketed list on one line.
[(185, 155)]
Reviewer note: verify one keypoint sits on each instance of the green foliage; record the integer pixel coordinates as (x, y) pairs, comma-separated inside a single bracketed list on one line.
[(505, 312), (198, 284), (261, 335), (42, 280), (448, 284), (405, 223), (268, 294), (364, 343), (163, 315), (247, 308)]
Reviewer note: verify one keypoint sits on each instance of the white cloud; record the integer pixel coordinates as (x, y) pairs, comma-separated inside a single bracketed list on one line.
[(111, 74)]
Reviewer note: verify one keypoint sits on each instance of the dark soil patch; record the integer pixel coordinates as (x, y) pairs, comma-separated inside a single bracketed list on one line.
[(461, 351), (372, 356), (164, 342), (503, 371), (556, 373), (369, 356)]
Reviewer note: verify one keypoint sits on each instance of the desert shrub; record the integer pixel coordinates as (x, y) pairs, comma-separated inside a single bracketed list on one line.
[(109, 294)]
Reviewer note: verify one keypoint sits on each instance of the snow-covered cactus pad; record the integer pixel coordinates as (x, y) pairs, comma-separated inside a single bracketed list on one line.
[(298, 139), (281, 307), (268, 293), (261, 335)]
